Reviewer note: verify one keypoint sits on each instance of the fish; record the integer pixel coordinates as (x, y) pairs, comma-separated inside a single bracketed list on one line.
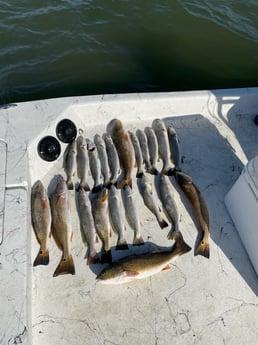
[(69, 163), (113, 160), (82, 160), (61, 228), (147, 193), (174, 146), (101, 148), (116, 217), (153, 148), (87, 226), (145, 151), (41, 221), (200, 209), (100, 213), (124, 149), (137, 267), (131, 214), (163, 144), (170, 209), (95, 168), (138, 154)]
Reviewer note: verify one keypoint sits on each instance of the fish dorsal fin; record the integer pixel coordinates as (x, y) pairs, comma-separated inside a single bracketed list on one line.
[(131, 273)]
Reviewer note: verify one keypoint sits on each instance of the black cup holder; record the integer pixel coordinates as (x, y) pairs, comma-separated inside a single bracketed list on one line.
[(49, 148), (66, 131)]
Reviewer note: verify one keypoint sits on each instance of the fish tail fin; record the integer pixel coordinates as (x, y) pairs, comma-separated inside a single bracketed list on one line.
[(121, 245), (162, 223), (153, 171), (138, 241), (169, 171), (180, 243), (97, 188), (106, 257), (121, 184), (93, 259), (139, 174), (85, 186), (203, 249), (69, 183), (42, 258), (65, 266)]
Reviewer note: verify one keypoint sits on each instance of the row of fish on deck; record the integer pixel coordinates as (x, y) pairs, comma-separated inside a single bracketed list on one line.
[(114, 156)]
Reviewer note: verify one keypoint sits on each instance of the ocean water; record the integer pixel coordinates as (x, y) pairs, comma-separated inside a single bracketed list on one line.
[(74, 47)]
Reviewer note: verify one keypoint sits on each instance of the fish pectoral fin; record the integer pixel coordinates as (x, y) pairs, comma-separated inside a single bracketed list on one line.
[(131, 273), (167, 267), (44, 203)]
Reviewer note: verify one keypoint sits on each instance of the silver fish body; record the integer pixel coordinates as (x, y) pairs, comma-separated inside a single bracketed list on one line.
[(101, 147), (153, 148), (116, 216), (147, 193), (132, 214), (174, 146), (62, 227), (41, 221), (69, 163), (138, 154), (145, 150), (87, 226), (82, 160), (113, 160), (95, 168), (163, 144), (168, 202), (100, 213)]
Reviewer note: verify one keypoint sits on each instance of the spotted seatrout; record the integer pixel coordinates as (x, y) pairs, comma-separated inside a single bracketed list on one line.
[(69, 163), (101, 147), (95, 168), (137, 267), (138, 154), (41, 221), (113, 160), (82, 162), (124, 149), (145, 151), (62, 227), (200, 208), (174, 146), (163, 144), (88, 231), (153, 147)]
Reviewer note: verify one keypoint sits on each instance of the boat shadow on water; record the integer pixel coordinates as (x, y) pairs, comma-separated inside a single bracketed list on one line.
[(212, 162)]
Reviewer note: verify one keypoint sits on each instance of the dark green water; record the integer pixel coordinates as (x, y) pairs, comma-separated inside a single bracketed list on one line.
[(64, 48)]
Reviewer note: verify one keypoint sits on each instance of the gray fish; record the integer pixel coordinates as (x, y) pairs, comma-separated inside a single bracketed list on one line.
[(69, 163), (100, 213), (138, 154), (147, 193), (124, 149), (82, 162), (113, 160), (41, 221), (163, 143), (153, 148), (174, 146), (168, 202), (145, 151), (62, 227), (131, 214), (87, 226), (137, 267), (116, 217), (200, 208), (94, 165), (101, 147)]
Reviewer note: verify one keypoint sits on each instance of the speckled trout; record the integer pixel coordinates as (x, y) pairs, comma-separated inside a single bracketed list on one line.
[(69, 163), (153, 147), (145, 151), (200, 208), (174, 146), (113, 160), (82, 162), (138, 154), (41, 221), (101, 147), (62, 227), (137, 267)]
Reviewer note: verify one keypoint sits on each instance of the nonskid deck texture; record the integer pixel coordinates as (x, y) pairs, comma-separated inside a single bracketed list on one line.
[(198, 300)]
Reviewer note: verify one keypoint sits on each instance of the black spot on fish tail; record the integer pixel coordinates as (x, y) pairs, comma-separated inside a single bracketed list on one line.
[(97, 188), (106, 257), (42, 258)]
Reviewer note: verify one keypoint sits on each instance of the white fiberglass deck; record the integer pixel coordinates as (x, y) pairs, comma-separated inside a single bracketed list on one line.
[(198, 301)]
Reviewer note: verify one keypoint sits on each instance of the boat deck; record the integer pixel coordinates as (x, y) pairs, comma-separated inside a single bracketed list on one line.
[(197, 301)]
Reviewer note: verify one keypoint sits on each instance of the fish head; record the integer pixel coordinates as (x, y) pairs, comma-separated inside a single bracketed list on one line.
[(38, 187), (171, 130), (159, 125), (98, 140), (183, 179), (114, 127), (112, 274), (61, 186), (81, 143), (103, 195)]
